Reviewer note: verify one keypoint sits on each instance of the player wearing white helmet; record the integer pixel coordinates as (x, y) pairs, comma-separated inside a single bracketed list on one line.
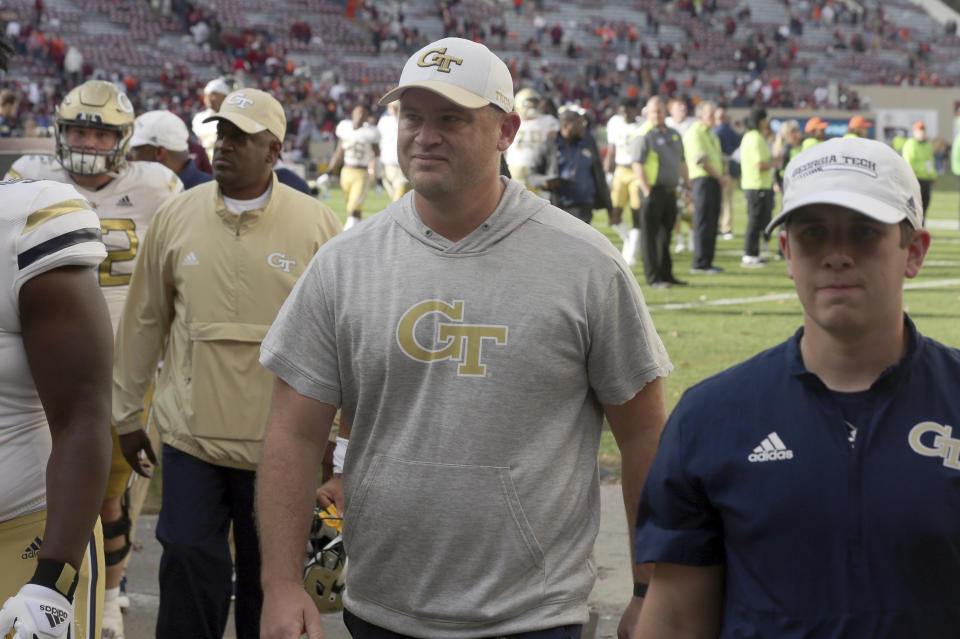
[(535, 129), (93, 127)]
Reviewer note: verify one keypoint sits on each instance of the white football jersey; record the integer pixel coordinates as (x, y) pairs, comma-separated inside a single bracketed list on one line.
[(126, 206), (621, 135), (357, 143), (43, 226), (530, 137), (388, 128)]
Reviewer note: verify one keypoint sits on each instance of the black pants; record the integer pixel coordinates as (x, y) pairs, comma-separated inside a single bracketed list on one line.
[(360, 629), (658, 212), (580, 211), (925, 187), (199, 502), (759, 208), (706, 216)]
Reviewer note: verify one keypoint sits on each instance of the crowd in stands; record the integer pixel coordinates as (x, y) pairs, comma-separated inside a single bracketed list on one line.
[(590, 62)]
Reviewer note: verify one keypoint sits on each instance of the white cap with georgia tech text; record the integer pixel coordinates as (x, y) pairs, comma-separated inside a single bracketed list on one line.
[(464, 72), (864, 175), (160, 128)]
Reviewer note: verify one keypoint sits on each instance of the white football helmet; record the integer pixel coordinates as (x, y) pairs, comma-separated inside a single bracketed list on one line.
[(323, 570), (100, 105)]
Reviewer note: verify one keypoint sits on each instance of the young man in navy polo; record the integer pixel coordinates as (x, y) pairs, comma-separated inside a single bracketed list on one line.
[(814, 490)]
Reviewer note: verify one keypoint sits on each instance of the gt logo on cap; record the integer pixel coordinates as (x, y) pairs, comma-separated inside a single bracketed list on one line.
[(440, 60), (239, 100)]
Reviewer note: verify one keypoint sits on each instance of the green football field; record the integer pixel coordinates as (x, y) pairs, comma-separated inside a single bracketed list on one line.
[(719, 320)]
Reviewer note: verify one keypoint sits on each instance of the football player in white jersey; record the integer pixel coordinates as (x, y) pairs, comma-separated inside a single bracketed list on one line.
[(622, 127), (56, 355), (535, 129), (358, 145), (93, 127)]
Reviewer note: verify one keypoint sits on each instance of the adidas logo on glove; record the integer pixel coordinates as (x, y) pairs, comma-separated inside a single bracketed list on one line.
[(55, 616)]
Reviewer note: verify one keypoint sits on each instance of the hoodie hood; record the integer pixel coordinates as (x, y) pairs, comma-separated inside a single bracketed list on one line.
[(516, 206)]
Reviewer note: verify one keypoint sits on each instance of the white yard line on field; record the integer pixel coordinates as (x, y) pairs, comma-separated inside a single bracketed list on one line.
[(734, 301)]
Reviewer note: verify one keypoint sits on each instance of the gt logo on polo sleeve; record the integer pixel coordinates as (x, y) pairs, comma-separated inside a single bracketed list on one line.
[(931, 439)]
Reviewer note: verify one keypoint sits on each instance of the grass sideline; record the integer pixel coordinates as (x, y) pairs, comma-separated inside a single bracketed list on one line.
[(758, 308)]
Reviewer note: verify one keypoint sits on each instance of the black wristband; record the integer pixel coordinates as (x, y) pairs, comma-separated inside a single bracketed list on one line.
[(640, 589), (56, 575)]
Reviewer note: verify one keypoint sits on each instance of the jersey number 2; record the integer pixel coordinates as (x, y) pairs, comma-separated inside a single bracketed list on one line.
[(107, 276)]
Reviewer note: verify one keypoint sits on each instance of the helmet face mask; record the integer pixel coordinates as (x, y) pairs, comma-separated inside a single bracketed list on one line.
[(94, 105), (527, 103), (323, 571)]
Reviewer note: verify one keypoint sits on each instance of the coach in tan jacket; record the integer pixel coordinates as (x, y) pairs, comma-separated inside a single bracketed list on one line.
[(215, 267)]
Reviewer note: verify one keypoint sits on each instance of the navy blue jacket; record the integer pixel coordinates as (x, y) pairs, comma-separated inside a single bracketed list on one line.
[(191, 176), (820, 537)]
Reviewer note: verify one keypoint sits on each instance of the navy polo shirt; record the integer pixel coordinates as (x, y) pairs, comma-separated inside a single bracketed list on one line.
[(294, 181), (818, 536), (191, 176)]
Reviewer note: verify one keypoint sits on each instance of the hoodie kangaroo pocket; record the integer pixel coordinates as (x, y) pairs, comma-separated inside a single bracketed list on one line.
[(442, 541)]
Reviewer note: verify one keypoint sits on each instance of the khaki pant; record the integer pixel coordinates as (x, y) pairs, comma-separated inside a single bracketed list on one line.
[(19, 540), (395, 182), (625, 188), (726, 206), (353, 181)]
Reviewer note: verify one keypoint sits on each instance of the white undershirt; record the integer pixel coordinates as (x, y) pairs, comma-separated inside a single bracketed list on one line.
[(238, 207)]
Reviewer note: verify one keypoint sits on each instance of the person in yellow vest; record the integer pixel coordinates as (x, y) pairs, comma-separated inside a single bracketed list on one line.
[(918, 152), (705, 166), (897, 143), (756, 164), (858, 127), (816, 131)]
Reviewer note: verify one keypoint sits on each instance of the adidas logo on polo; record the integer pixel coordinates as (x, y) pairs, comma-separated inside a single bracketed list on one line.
[(771, 448), (190, 259), (124, 201), (31, 551)]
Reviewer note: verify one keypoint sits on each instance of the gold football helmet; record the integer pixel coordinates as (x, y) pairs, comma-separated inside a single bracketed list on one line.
[(323, 569), (527, 103), (94, 104)]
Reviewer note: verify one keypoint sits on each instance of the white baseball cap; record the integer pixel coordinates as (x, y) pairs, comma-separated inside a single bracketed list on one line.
[(864, 175), (217, 85), (463, 71), (160, 128)]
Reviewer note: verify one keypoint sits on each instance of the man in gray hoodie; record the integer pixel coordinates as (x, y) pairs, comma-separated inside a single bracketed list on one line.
[(475, 364)]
